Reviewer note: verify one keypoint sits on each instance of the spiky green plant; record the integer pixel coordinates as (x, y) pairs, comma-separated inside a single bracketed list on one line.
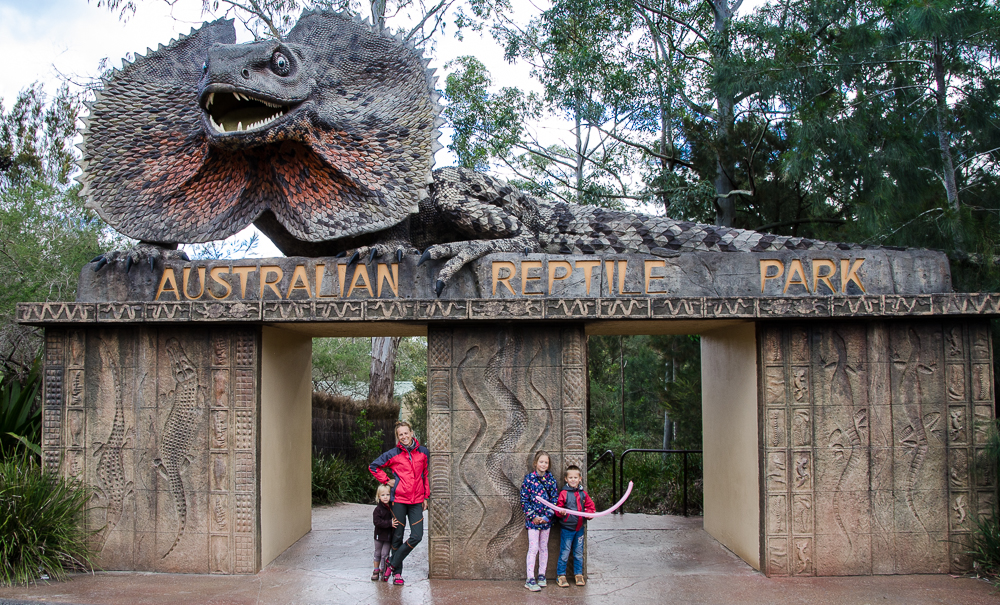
[(41, 523), (20, 416)]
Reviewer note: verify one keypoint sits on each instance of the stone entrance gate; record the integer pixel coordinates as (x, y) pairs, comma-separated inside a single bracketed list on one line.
[(845, 399)]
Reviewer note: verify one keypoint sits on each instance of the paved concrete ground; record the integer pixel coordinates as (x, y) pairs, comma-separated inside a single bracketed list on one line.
[(633, 560)]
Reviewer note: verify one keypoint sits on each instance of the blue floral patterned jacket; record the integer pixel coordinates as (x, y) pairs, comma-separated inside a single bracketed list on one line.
[(544, 486)]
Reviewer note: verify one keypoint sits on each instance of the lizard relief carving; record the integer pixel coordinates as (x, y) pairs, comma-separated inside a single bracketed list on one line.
[(325, 141)]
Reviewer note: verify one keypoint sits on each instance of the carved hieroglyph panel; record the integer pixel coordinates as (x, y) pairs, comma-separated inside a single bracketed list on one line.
[(868, 434), (160, 423), (496, 394)]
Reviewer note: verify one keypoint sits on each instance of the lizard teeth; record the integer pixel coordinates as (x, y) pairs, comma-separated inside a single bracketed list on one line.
[(211, 98)]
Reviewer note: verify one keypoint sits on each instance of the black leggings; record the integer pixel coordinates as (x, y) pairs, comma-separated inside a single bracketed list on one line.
[(401, 512)]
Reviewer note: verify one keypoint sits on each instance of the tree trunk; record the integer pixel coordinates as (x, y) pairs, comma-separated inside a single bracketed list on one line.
[(383, 370), (725, 204), (378, 13), (944, 136)]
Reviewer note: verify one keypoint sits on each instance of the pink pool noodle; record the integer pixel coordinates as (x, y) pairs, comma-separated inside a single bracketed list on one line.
[(566, 511)]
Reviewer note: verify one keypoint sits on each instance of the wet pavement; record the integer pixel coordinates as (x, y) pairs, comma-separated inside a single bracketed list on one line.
[(633, 559)]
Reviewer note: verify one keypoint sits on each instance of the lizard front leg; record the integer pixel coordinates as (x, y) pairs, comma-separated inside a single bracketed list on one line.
[(494, 228)]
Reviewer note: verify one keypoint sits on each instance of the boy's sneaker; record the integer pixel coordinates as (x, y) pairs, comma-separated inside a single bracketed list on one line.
[(376, 575), (561, 581), (541, 581), (532, 585), (397, 580), (579, 580)]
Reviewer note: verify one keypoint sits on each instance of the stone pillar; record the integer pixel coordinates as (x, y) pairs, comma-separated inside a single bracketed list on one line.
[(495, 394), (162, 424), (868, 433)]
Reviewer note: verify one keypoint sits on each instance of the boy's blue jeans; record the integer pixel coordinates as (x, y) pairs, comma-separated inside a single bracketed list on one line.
[(570, 541)]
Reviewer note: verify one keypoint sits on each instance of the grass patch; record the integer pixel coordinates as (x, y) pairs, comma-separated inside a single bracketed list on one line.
[(41, 523)]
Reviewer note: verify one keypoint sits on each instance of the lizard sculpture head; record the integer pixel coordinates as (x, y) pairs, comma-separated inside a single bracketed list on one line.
[(326, 136)]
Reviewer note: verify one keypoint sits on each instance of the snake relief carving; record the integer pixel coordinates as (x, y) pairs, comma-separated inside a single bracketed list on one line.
[(915, 436), (113, 486), (498, 378), (848, 441), (462, 375), (178, 432)]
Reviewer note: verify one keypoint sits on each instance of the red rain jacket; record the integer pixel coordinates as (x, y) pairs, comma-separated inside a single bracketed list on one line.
[(574, 499), (410, 467)]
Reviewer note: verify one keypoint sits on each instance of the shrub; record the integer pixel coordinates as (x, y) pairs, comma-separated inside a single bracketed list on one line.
[(339, 479), (985, 547), (657, 484), (41, 523), (20, 414)]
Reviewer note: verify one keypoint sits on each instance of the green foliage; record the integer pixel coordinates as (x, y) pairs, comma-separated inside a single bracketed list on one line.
[(662, 373), (336, 479), (658, 486), (341, 360), (366, 438), (411, 358), (20, 412), (41, 518), (339, 479), (46, 235), (416, 402), (985, 547), (347, 361), (682, 392)]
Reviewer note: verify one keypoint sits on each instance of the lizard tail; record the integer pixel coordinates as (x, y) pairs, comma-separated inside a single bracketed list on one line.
[(180, 501)]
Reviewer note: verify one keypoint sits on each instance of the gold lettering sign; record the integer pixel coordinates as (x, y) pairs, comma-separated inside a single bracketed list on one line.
[(216, 275), (168, 283), (648, 267), (499, 278), (823, 270), (567, 267), (820, 276), (526, 277), (588, 267), (299, 281)]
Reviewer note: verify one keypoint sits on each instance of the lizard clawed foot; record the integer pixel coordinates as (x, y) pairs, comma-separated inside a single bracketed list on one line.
[(460, 254), (396, 249), (140, 254)]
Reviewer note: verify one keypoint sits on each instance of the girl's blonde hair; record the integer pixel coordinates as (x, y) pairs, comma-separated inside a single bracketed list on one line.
[(382, 489), (538, 455)]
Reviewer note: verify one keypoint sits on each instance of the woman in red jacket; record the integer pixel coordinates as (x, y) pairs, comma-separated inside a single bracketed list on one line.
[(410, 490)]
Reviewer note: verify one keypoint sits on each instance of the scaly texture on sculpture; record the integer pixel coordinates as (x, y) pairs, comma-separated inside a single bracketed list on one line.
[(325, 141), (178, 432)]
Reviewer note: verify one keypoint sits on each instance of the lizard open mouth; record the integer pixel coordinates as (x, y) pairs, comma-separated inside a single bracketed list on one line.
[(241, 112)]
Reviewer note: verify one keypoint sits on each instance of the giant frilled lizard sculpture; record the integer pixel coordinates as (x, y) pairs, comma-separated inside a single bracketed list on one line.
[(325, 142)]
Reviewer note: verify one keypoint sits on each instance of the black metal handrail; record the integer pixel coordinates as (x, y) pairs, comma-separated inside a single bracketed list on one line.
[(614, 474), (684, 455)]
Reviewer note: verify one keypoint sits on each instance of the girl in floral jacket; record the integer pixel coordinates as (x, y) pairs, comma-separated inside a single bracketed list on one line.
[(537, 517)]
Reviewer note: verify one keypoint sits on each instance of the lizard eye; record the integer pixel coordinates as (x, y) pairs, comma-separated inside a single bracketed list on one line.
[(204, 67), (280, 64)]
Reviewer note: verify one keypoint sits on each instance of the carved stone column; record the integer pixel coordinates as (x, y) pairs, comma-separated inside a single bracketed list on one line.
[(495, 395), (162, 424), (868, 433)]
